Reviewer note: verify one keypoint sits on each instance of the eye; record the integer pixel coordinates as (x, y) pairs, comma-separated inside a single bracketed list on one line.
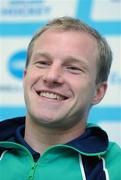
[(74, 69), (42, 63)]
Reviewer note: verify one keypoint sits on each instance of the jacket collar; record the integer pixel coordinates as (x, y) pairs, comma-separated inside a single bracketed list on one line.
[(94, 140)]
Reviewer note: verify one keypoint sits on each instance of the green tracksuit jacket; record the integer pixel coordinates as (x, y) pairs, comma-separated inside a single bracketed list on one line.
[(71, 161)]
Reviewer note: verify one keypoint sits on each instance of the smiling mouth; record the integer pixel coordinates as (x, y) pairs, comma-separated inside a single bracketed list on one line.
[(51, 95)]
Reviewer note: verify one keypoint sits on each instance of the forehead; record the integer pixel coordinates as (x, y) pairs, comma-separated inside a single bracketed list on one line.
[(59, 36)]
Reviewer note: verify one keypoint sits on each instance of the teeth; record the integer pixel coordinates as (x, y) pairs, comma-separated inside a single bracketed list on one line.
[(51, 95)]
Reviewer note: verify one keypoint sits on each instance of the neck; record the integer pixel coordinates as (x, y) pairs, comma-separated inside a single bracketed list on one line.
[(40, 138)]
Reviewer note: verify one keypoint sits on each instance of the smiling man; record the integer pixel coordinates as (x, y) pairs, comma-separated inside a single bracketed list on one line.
[(66, 73)]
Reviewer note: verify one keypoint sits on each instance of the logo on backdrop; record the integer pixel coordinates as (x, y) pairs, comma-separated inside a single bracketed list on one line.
[(16, 64)]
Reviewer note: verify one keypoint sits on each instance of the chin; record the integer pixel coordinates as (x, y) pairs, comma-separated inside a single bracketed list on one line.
[(49, 122)]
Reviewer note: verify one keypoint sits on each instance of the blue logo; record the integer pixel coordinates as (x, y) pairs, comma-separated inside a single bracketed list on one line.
[(16, 64)]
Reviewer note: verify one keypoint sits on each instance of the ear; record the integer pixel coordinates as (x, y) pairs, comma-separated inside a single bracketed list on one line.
[(24, 74), (99, 92)]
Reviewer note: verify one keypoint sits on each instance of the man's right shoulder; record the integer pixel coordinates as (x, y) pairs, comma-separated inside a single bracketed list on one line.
[(8, 127)]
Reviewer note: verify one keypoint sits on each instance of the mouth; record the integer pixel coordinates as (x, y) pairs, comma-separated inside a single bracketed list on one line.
[(52, 95)]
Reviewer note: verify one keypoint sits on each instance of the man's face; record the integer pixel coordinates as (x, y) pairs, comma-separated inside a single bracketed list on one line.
[(59, 82)]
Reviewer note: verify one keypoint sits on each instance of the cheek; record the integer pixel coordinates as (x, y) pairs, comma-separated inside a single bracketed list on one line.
[(83, 90), (78, 85), (30, 76), (27, 83)]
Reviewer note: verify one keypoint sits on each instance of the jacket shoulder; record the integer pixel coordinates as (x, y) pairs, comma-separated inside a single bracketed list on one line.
[(8, 127), (113, 160)]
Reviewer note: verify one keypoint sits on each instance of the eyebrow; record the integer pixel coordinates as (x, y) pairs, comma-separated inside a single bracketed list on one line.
[(42, 54), (78, 60)]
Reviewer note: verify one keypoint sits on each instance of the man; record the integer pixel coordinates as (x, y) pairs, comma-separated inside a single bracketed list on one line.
[(66, 73)]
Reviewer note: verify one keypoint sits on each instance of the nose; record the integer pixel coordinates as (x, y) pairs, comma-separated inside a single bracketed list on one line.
[(53, 75)]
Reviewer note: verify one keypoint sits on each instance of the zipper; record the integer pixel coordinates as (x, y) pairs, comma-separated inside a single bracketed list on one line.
[(32, 171)]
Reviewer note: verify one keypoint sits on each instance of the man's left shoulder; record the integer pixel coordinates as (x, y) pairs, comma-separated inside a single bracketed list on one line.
[(114, 147), (113, 152)]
